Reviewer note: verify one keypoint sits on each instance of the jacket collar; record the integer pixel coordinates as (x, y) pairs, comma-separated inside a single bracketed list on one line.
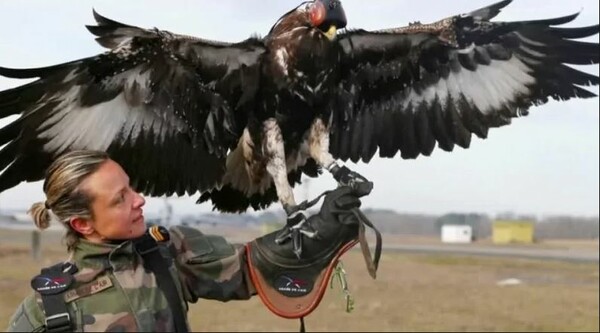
[(118, 256)]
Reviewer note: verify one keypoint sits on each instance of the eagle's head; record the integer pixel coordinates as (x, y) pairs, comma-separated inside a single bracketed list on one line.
[(327, 16)]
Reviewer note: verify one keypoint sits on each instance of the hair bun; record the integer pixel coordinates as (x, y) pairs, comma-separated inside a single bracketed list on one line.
[(40, 214)]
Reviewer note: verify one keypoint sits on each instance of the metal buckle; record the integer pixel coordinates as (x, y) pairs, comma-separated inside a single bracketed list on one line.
[(340, 273), (51, 327)]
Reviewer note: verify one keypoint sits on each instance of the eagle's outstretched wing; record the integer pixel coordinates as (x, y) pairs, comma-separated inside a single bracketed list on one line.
[(166, 107), (406, 89)]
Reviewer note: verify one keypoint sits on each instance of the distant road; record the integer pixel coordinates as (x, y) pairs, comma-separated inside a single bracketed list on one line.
[(474, 249), (26, 225)]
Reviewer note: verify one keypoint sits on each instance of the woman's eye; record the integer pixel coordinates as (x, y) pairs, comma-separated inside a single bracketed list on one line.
[(120, 198)]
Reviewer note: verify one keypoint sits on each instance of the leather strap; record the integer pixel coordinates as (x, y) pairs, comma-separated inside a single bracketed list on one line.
[(52, 284), (371, 263), (154, 261)]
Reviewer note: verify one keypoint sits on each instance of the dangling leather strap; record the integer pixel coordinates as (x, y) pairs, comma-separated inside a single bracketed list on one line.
[(371, 263)]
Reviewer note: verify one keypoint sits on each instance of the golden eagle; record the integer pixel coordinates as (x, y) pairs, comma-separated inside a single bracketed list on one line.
[(242, 122)]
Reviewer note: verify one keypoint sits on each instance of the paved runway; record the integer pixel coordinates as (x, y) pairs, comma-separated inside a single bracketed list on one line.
[(588, 256)]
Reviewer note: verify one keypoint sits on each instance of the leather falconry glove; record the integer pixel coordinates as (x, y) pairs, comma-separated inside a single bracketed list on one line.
[(292, 286)]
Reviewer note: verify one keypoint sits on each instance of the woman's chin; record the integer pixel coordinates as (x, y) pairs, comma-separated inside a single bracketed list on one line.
[(138, 230)]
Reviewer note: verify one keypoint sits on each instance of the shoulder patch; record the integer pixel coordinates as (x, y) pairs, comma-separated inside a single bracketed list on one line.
[(96, 286), (51, 285)]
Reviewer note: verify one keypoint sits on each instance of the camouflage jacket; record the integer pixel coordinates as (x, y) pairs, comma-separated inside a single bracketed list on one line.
[(113, 292)]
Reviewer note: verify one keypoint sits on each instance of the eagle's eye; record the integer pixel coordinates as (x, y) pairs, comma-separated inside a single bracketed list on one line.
[(318, 13)]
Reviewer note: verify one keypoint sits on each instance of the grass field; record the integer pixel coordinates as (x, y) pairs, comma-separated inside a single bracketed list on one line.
[(413, 292)]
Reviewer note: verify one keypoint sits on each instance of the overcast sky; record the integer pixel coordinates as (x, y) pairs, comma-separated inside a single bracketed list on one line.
[(543, 164)]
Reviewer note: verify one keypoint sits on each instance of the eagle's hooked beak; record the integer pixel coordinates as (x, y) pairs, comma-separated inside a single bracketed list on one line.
[(327, 16), (332, 32)]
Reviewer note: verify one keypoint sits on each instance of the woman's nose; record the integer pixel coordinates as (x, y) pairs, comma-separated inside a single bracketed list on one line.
[(139, 200)]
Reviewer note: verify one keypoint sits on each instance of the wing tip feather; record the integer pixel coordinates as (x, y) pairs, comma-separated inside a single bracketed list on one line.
[(105, 21), (491, 11)]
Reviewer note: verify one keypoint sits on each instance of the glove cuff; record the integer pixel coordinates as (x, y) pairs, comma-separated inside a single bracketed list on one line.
[(291, 292)]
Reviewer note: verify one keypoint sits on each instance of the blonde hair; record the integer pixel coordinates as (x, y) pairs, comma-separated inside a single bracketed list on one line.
[(64, 197)]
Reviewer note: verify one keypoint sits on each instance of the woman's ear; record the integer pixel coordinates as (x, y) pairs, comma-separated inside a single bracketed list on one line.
[(82, 226)]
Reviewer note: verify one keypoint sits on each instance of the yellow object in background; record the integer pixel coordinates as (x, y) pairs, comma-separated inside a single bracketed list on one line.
[(518, 231)]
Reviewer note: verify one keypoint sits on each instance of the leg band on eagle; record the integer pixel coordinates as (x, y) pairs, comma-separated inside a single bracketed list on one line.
[(292, 284)]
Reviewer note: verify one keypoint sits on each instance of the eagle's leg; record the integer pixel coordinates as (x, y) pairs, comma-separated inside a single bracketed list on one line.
[(274, 151), (318, 140)]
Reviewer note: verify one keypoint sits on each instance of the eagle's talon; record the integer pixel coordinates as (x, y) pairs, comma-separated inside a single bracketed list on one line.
[(297, 243), (296, 226), (283, 235), (293, 235), (347, 177), (292, 210), (294, 221), (296, 218)]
